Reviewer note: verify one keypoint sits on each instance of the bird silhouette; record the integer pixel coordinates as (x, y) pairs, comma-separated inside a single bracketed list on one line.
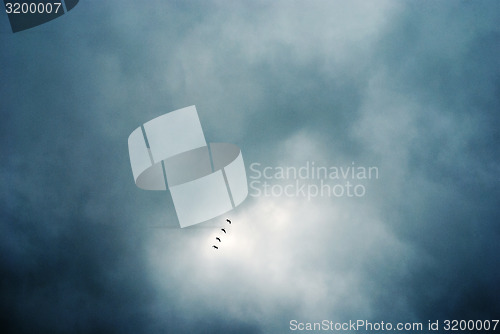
[(215, 247), (218, 239), (228, 221), (223, 230)]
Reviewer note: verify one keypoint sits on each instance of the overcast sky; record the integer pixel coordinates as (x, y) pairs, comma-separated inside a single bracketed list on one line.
[(410, 87)]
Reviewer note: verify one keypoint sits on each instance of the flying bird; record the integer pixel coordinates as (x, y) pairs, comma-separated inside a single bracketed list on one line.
[(228, 221), (223, 230), (215, 247), (218, 239)]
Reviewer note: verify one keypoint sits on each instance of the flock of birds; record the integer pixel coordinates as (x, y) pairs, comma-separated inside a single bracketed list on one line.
[(225, 232)]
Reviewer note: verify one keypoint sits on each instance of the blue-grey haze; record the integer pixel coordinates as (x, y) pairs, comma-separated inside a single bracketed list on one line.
[(410, 87)]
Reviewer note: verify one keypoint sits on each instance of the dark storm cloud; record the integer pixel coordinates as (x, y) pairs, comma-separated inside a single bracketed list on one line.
[(71, 259), (411, 89), (443, 59)]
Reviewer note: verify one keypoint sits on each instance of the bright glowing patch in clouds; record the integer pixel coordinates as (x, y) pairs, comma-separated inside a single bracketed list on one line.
[(309, 257)]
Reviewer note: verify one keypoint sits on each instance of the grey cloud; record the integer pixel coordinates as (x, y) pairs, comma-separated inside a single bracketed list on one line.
[(411, 89)]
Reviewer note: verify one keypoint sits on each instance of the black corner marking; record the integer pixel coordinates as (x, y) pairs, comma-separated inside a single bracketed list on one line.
[(70, 4)]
